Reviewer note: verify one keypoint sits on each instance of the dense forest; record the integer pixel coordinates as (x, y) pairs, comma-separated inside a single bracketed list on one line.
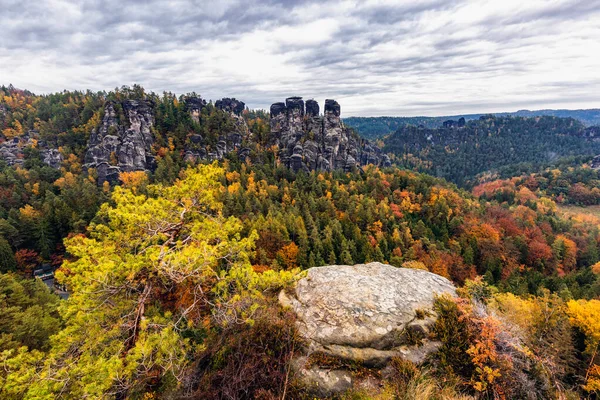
[(459, 152), (378, 127), (173, 272), (567, 183)]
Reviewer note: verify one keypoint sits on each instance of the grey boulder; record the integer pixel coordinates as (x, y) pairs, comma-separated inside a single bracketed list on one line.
[(366, 314)]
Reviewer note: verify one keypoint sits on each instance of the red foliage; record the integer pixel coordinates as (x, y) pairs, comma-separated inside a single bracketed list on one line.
[(27, 260)]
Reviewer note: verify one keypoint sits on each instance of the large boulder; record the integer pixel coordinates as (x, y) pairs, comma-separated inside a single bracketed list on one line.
[(366, 314)]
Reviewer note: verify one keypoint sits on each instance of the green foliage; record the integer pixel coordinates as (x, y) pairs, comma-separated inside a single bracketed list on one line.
[(459, 154), (28, 314), (152, 268), (7, 258), (378, 127)]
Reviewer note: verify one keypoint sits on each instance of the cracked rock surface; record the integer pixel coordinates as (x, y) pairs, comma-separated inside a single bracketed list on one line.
[(366, 313)]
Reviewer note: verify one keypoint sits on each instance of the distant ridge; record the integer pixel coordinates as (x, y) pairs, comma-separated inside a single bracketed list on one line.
[(376, 127)]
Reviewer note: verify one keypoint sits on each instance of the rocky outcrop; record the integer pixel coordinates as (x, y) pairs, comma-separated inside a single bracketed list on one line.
[(592, 132), (197, 149), (194, 106), (122, 145), (309, 141), (454, 124), (231, 105), (52, 158), (12, 151), (235, 108), (367, 313), (595, 163)]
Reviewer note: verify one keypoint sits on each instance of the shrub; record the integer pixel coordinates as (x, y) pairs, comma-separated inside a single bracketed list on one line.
[(244, 361)]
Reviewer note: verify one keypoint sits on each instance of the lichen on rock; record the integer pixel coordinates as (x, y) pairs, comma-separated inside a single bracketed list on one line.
[(366, 313)]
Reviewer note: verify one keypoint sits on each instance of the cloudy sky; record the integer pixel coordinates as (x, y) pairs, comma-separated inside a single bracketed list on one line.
[(431, 57)]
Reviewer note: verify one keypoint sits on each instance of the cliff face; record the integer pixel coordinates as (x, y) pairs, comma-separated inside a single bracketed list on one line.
[(12, 151), (198, 149), (120, 146), (309, 141)]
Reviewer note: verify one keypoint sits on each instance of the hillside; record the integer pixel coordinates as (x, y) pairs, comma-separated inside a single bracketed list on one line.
[(459, 152), (377, 127)]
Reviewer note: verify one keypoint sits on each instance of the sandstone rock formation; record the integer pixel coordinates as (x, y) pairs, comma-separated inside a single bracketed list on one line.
[(12, 151), (454, 124), (52, 158), (231, 141), (194, 106), (365, 313), (309, 141), (235, 108), (117, 145), (592, 132), (231, 105)]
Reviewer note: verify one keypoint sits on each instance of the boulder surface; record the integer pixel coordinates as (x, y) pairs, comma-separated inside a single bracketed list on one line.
[(366, 313)]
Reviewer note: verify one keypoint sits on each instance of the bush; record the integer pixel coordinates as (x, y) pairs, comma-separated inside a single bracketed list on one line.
[(248, 361)]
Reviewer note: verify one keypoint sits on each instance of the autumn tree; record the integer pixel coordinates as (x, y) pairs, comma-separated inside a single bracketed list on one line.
[(7, 258), (585, 316), (147, 281)]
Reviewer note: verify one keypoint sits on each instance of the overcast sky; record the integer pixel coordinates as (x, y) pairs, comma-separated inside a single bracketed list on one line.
[(404, 58)]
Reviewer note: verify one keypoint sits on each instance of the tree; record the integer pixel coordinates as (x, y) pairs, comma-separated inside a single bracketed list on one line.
[(289, 255), (585, 316), (7, 258), (134, 180), (28, 315), (148, 282)]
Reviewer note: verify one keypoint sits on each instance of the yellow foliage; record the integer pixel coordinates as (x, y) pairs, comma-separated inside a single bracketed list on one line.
[(28, 212), (414, 265), (233, 176), (585, 315), (66, 181), (234, 187), (133, 180)]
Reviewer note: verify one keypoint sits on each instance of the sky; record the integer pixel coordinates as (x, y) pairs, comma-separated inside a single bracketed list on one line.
[(395, 58)]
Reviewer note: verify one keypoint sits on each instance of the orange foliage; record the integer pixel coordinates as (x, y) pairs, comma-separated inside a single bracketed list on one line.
[(260, 268), (27, 260), (490, 188), (289, 255), (133, 180)]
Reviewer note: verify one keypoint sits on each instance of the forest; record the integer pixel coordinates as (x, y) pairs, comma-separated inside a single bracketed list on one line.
[(379, 127), (460, 153), (173, 272)]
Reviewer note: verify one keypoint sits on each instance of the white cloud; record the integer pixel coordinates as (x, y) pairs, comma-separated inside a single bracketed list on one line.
[(375, 57)]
